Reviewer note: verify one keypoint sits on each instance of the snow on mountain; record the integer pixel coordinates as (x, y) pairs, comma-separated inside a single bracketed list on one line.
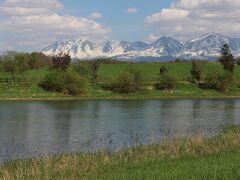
[(84, 49), (207, 47), (165, 46)]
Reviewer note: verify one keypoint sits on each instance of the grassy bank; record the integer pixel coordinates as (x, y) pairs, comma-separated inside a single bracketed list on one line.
[(194, 158), (109, 72)]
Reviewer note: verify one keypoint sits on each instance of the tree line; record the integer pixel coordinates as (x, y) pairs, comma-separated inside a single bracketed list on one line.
[(18, 63)]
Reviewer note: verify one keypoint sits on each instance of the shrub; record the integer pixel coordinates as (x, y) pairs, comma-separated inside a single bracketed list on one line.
[(61, 61), (238, 61), (21, 63), (94, 67), (137, 79), (16, 63), (220, 81), (163, 70), (10, 67), (197, 71), (66, 82), (130, 81), (1, 65), (52, 82), (178, 60), (38, 60), (166, 82), (125, 83), (74, 83)]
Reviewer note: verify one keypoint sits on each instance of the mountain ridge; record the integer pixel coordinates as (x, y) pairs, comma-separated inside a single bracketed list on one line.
[(166, 48)]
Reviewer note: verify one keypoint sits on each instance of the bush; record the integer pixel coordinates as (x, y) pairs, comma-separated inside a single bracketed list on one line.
[(53, 82), (74, 84), (163, 70), (220, 81), (130, 81), (238, 61), (21, 63), (66, 82), (94, 68), (166, 82), (38, 60), (61, 61), (197, 71), (10, 67), (1, 65), (15, 63)]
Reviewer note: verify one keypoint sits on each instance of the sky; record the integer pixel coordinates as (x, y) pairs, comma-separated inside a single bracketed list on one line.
[(31, 25)]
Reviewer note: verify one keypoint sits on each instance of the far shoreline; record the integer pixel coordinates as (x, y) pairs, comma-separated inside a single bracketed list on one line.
[(119, 98)]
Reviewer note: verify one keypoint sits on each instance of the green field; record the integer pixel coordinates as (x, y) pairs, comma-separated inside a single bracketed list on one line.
[(109, 72), (151, 70), (192, 158)]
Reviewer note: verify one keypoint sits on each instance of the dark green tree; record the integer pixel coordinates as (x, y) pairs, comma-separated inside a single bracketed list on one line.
[(15, 63), (21, 63), (197, 71), (94, 67), (163, 70), (10, 67), (238, 61), (227, 59), (38, 60)]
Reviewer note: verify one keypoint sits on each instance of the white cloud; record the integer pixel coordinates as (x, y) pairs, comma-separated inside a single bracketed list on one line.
[(171, 14), (132, 10), (188, 18), (20, 11), (49, 4), (29, 7), (54, 22), (151, 38), (37, 23), (96, 15), (207, 4)]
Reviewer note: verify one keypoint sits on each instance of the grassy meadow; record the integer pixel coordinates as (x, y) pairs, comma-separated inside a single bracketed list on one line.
[(181, 158), (110, 72)]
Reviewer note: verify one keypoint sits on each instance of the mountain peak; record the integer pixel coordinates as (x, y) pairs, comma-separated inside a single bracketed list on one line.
[(214, 34), (209, 35), (165, 48)]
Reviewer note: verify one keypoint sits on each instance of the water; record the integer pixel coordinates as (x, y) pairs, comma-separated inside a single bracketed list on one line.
[(29, 129)]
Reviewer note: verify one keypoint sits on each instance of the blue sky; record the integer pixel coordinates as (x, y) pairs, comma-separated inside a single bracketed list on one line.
[(124, 26), (30, 25)]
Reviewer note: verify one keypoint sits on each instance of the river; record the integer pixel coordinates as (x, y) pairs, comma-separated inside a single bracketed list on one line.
[(30, 129)]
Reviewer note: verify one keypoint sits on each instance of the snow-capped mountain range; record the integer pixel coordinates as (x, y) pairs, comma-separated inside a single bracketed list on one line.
[(206, 47)]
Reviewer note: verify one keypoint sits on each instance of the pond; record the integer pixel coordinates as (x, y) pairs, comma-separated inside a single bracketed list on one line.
[(30, 129)]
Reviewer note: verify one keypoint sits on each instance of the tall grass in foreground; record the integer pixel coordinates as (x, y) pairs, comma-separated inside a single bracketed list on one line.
[(193, 158)]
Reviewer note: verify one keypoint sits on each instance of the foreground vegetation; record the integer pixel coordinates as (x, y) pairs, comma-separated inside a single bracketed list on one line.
[(36, 76), (192, 158)]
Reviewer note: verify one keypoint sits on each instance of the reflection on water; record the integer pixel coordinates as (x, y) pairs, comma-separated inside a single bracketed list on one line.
[(39, 128)]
